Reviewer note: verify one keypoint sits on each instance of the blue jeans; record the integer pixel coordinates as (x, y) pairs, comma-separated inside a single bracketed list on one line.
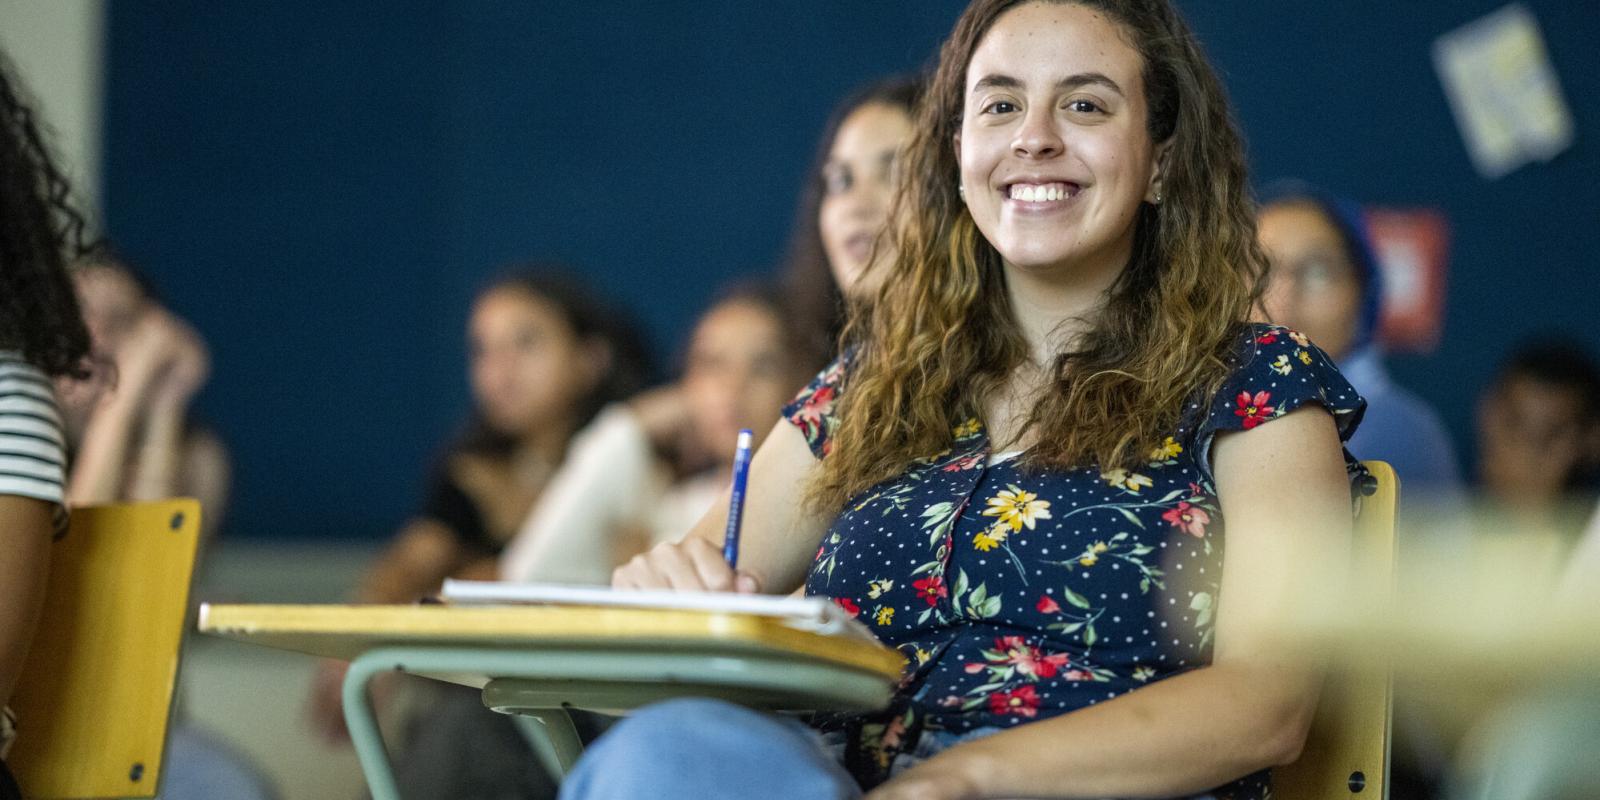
[(696, 749)]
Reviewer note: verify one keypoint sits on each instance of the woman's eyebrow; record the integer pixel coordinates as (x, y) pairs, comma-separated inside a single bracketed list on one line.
[(999, 81)]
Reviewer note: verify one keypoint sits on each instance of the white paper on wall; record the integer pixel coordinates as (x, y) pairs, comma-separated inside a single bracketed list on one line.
[(1503, 91)]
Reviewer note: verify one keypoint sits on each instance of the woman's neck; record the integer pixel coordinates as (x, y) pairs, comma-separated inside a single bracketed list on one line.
[(1054, 307), (546, 443)]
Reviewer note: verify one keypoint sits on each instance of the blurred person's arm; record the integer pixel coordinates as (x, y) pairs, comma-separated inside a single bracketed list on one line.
[(424, 553), (1582, 579), (1286, 499), (25, 531), (160, 456), (100, 469), (414, 565), (207, 476)]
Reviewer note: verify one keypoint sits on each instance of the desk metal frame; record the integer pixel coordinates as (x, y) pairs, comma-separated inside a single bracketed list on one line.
[(540, 684)]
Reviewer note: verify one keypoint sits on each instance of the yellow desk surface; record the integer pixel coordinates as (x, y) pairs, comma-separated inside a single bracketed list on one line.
[(346, 631)]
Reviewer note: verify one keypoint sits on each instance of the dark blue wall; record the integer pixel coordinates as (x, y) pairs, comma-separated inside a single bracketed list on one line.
[(322, 186)]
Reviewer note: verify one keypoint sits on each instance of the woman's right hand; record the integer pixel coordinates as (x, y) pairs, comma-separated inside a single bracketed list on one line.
[(690, 565)]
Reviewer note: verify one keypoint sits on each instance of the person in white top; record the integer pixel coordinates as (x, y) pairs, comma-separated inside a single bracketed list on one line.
[(645, 471)]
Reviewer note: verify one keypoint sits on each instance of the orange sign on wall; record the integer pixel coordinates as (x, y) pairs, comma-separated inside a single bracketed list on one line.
[(1413, 248)]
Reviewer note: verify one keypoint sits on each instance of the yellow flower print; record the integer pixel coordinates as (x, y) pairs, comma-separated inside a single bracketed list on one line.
[(1168, 450), (965, 429), (990, 539), (1300, 339), (1143, 673), (1282, 366), (1091, 554), (922, 656), (1017, 508), (1304, 356), (885, 615), (877, 588), (1131, 482)]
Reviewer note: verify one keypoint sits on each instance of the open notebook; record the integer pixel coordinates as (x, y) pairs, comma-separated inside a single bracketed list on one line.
[(804, 613)]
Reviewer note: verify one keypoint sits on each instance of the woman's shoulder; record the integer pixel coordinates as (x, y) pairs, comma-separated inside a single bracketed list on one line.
[(1274, 370), (33, 460), (813, 409)]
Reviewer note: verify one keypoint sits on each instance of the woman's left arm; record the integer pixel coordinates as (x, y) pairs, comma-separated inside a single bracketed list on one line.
[(1286, 499)]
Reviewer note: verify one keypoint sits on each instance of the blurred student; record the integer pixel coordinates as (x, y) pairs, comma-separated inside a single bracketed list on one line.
[(133, 437), (1324, 281), (844, 208), (42, 336), (545, 356), (130, 426), (743, 357), (1539, 438)]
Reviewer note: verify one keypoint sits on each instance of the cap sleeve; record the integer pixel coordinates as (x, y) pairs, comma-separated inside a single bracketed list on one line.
[(812, 411), (1278, 370)]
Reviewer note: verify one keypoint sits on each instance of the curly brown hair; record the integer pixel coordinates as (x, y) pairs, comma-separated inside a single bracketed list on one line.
[(940, 337), (39, 232)]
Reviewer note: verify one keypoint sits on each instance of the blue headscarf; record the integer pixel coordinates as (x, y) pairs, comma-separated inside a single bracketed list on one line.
[(1350, 221)]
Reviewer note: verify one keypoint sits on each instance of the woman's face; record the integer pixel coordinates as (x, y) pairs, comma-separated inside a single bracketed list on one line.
[(1054, 152), (857, 188), (1312, 286), (738, 374), (528, 367)]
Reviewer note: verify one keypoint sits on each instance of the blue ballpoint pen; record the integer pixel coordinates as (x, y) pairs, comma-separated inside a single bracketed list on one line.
[(741, 473)]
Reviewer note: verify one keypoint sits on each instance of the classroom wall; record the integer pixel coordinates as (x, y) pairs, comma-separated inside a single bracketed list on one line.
[(322, 186), (58, 47)]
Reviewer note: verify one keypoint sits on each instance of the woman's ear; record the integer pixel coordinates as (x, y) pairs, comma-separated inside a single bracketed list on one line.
[(1153, 192), (955, 143)]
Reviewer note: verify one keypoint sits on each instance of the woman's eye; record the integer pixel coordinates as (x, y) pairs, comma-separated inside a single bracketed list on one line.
[(836, 181), (1000, 107), (1083, 106)]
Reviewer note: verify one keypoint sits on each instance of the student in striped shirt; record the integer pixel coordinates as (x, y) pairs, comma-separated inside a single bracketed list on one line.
[(42, 336)]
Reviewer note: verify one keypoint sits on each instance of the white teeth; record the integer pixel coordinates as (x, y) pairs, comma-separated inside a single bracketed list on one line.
[(1033, 193)]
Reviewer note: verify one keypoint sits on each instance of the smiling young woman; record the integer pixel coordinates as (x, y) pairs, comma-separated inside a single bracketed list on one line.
[(1056, 467)]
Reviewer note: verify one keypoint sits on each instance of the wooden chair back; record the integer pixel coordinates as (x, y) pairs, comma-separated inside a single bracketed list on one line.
[(95, 695), (1347, 752)]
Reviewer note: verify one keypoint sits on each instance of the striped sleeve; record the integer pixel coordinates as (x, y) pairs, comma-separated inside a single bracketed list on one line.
[(33, 461)]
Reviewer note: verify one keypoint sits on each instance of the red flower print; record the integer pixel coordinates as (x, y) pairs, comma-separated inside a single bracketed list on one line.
[(817, 405), (1267, 338), (963, 463), (1048, 605), (1254, 410), (1022, 701), (931, 589), (1026, 658), (848, 605), (1189, 519)]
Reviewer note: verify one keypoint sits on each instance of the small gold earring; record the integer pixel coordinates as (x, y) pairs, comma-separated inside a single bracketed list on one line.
[(962, 190)]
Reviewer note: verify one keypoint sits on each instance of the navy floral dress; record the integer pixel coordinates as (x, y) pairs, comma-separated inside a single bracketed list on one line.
[(1021, 594)]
